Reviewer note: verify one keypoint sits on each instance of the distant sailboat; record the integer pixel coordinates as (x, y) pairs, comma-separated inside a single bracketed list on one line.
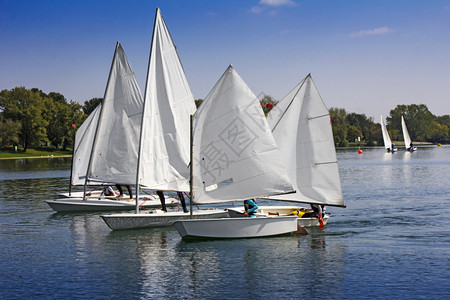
[(164, 136), (388, 144), (106, 150), (235, 157), (408, 143)]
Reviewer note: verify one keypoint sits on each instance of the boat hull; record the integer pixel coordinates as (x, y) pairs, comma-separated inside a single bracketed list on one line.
[(105, 204), (264, 211), (233, 228), (156, 218)]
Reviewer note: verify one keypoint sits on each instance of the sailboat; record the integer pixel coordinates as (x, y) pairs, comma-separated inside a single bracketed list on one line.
[(108, 139), (84, 139), (408, 143), (234, 157), (301, 126), (164, 137), (388, 145)]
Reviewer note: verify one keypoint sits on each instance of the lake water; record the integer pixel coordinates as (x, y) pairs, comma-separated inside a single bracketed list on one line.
[(392, 241)]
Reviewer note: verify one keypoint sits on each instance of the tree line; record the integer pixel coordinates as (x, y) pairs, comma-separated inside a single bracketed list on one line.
[(30, 118)]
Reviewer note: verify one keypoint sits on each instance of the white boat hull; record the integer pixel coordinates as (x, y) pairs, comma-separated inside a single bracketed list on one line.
[(106, 204), (264, 211), (156, 218), (236, 227)]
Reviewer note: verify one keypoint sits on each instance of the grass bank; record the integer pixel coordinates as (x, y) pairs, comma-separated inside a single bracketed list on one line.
[(9, 153)]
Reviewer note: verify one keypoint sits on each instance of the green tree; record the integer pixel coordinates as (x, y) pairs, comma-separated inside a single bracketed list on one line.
[(198, 102), (9, 132), (63, 119), (59, 114), (57, 97), (439, 134), (25, 106), (366, 125), (77, 117), (339, 125), (419, 120), (353, 133), (90, 105), (267, 103)]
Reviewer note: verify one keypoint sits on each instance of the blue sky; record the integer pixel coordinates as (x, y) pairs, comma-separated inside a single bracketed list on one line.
[(365, 56)]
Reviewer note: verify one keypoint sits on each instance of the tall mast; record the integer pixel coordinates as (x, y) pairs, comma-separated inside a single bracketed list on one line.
[(191, 177)]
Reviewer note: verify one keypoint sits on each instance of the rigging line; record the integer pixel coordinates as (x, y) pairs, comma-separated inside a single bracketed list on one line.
[(287, 108)]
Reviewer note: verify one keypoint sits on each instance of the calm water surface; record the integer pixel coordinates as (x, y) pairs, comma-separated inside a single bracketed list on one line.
[(392, 240)]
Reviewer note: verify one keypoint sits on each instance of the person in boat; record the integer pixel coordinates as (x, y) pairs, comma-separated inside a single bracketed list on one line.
[(183, 202), (250, 208), (119, 188), (109, 191), (162, 199), (314, 211), (392, 147), (410, 147)]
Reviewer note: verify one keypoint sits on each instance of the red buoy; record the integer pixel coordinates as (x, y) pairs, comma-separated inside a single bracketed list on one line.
[(359, 151)]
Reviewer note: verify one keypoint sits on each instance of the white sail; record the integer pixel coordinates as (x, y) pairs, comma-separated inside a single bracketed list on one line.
[(168, 104), (301, 126), (84, 139), (386, 138), (406, 137), (234, 154), (115, 149)]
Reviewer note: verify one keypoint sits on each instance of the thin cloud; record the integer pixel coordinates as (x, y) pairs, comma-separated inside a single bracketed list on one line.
[(256, 10), (278, 2), (376, 31), (264, 4)]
